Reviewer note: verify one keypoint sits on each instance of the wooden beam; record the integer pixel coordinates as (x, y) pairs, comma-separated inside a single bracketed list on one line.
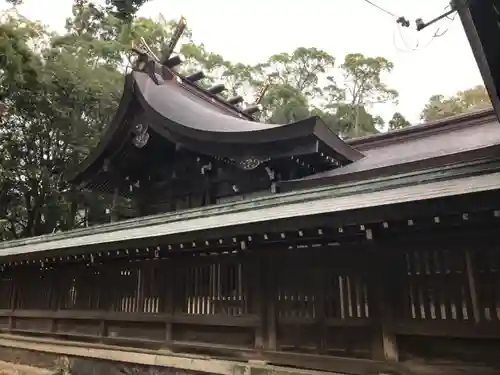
[(257, 284), (271, 303), (469, 267), (385, 346), (169, 307)]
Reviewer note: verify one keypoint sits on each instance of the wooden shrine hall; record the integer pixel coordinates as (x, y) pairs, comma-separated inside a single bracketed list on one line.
[(275, 243)]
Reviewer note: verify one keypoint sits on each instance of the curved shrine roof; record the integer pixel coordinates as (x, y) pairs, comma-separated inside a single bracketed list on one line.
[(184, 117), (187, 115)]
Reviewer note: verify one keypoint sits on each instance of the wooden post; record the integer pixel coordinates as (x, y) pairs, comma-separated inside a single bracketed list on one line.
[(13, 302), (53, 300), (114, 206), (471, 280), (106, 295), (320, 294), (259, 298), (141, 280), (271, 302), (169, 306), (385, 343)]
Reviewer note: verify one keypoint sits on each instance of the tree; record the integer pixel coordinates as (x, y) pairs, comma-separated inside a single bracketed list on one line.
[(356, 121), (476, 97), (124, 9), (60, 94), (363, 87), (284, 104), (398, 121), (294, 83), (302, 69), (439, 106)]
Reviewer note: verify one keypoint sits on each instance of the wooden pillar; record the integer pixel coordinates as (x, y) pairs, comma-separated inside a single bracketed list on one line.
[(471, 281), (271, 301), (114, 205), (107, 296), (53, 298), (257, 284), (142, 278), (320, 295), (169, 306), (13, 301), (383, 277)]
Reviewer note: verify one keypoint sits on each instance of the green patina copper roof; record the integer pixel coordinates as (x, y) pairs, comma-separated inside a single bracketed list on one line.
[(433, 183)]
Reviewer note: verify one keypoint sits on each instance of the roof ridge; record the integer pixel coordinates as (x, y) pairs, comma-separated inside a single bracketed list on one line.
[(424, 129)]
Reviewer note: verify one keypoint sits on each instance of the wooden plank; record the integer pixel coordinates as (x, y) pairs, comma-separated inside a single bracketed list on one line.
[(385, 273), (168, 306), (447, 283), (471, 279), (259, 301), (271, 302), (484, 330), (149, 355), (319, 292), (249, 320)]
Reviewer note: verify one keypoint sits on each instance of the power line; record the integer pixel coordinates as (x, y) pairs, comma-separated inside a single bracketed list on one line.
[(438, 33), (399, 19), (381, 9), (419, 24)]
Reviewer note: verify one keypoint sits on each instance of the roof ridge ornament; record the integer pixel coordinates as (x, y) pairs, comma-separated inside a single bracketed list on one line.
[(169, 48), (262, 91), (249, 163), (141, 135)]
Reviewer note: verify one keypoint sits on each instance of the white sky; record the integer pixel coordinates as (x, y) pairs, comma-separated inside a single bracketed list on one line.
[(252, 31)]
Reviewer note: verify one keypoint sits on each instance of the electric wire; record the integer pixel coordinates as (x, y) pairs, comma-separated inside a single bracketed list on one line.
[(437, 34), (403, 22), (381, 9)]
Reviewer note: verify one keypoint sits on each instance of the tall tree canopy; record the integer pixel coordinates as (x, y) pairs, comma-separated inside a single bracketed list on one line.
[(398, 121), (469, 100), (124, 10), (363, 87)]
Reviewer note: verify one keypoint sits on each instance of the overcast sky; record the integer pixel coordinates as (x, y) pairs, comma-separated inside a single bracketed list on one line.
[(252, 31)]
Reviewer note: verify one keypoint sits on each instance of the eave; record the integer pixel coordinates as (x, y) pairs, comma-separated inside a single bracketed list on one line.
[(480, 20), (452, 181), (462, 138), (182, 117)]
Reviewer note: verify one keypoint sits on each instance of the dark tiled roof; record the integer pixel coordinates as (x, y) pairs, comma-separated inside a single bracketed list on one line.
[(414, 148)]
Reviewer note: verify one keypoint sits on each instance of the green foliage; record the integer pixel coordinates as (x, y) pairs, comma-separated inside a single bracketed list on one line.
[(125, 9), (398, 121), (285, 103), (60, 92), (363, 79), (439, 106)]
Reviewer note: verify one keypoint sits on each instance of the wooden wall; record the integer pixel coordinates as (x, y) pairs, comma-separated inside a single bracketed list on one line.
[(428, 295)]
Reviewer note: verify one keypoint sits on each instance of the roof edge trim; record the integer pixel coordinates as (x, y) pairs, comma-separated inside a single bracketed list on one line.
[(305, 196), (424, 129), (464, 9), (402, 193), (127, 98)]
